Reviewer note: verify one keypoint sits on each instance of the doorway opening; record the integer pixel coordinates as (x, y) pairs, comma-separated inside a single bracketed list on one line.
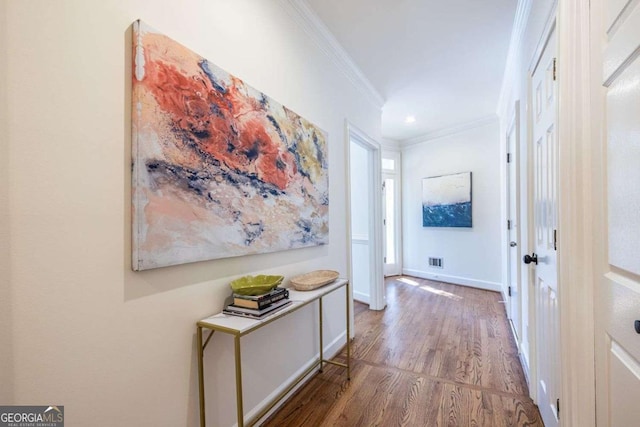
[(391, 203), (517, 300), (365, 219)]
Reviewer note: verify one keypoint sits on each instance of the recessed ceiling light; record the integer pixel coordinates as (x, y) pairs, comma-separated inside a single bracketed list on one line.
[(410, 119)]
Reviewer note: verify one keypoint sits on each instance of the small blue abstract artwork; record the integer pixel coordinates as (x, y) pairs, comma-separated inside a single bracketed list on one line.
[(446, 201)]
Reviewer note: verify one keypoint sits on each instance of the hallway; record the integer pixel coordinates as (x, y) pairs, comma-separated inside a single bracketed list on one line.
[(439, 355)]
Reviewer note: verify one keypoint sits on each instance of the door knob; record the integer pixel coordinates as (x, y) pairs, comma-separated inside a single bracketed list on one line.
[(528, 259), (513, 244)]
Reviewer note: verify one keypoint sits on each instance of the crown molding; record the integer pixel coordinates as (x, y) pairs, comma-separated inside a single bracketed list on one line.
[(390, 144), (307, 19), (448, 131), (513, 56)]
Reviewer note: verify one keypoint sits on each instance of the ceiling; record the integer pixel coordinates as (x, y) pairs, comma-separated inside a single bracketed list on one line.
[(439, 61)]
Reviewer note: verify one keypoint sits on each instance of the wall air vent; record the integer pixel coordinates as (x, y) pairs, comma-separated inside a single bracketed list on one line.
[(435, 262)]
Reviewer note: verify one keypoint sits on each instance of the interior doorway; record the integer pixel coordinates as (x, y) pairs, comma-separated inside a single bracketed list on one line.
[(365, 220), (391, 225), (516, 299)]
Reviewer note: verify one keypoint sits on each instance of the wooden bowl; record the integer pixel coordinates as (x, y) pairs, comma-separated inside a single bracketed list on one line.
[(314, 279)]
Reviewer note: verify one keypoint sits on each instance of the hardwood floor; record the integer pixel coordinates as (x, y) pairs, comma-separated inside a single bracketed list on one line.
[(438, 355)]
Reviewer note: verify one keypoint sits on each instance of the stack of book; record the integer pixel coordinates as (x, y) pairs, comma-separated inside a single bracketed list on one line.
[(258, 306)]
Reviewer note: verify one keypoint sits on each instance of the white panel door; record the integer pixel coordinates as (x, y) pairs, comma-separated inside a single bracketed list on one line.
[(618, 297), (390, 224), (513, 225), (545, 207)]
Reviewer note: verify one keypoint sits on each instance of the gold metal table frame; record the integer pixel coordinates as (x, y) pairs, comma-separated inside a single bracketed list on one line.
[(245, 326)]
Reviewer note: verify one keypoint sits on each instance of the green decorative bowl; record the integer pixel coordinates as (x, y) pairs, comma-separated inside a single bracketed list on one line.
[(255, 285)]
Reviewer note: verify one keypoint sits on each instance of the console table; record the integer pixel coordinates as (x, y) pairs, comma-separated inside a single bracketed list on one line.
[(240, 326)]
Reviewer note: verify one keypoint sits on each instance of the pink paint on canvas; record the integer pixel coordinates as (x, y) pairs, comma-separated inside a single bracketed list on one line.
[(219, 168)]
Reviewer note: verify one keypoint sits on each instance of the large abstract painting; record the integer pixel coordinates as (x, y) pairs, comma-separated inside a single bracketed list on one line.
[(219, 168), (446, 200)]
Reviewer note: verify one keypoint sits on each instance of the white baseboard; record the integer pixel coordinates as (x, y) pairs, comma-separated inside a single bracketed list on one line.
[(521, 353), (361, 297), (480, 284), (330, 350), (505, 298), (525, 367)]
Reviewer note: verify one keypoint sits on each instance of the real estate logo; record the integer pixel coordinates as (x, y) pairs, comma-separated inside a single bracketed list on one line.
[(32, 416)]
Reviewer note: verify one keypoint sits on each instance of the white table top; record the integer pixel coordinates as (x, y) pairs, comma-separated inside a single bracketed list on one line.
[(240, 325)]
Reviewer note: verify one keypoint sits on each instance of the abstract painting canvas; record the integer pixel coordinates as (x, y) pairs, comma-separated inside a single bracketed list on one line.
[(446, 200), (219, 168)]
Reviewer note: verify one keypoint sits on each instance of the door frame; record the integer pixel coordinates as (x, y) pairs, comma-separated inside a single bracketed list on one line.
[(514, 128), (397, 175), (378, 299), (532, 335), (536, 318), (580, 132), (579, 151)]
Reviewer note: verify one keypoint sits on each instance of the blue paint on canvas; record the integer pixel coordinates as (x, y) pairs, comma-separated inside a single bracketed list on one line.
[(455, 215)]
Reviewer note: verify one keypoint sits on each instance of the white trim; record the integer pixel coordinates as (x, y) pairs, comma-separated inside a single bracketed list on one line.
[(522, 355), (577, 151), (618, 53), (347, 180), (464, 281), (330, 351), (624, 13), (390, 145), (513, 128), (525, 365), (356, 240), (302, 14), (626, 359), (361, 297), (549, 26), (519, 26), (377, 288), (616, 277), (448, 131)]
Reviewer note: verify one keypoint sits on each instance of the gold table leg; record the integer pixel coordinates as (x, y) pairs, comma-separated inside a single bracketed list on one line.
[(239, 382), (321, 343), (201, 374)]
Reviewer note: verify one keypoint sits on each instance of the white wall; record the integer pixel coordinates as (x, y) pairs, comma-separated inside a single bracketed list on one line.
[(86, 331), (360, 159), (6, 344), (516, 87), (390, 144), (471, 256)]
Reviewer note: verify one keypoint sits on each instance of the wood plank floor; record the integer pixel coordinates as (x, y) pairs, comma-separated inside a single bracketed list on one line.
[(438, 355)]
